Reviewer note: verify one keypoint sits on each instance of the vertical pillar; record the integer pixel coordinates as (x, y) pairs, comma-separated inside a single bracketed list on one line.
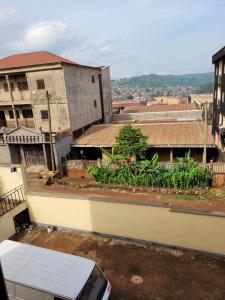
[(44, 146), (12, 101), (171, 155), (22, 154), (56, 158), (45, 155)]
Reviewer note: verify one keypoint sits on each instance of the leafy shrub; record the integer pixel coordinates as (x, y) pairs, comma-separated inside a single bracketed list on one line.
[(184, 175)]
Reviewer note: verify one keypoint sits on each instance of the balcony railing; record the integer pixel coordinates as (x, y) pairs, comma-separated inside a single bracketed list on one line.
[(23, 139), (11, 199), (29, 123)]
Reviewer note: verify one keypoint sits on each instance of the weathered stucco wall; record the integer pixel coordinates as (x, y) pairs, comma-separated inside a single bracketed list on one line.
[(142, 222), (82, 95), (4, 154), (10, 180), (107, 96), (178, 115), (7, 228), (54, 84)]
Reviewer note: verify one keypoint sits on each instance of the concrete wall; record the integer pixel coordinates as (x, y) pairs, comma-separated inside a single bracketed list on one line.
[(62, 148), (54, 84), (7, 228), (179, 115), (10, 180), (107, 96), (81, 95), (17, 94), (4, 154), (136, 221)]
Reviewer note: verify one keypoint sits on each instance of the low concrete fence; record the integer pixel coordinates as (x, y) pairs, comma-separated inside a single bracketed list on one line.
[(136, 220), (178, 115)]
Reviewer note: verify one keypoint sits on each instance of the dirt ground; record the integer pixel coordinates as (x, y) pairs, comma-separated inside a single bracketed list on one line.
[(161, 273), (213, 200)]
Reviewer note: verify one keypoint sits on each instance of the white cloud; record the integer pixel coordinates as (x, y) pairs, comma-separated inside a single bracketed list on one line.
[(6, 17), (43, 35)]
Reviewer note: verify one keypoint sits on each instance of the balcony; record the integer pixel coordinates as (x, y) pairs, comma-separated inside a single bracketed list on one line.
[(11, 199)]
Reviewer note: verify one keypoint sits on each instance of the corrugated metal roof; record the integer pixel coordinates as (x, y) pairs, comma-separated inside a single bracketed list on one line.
[(57, 273), (188, 134), (160, 108)]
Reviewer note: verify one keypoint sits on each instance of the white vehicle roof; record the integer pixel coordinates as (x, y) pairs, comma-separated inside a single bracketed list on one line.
[(56, 273)]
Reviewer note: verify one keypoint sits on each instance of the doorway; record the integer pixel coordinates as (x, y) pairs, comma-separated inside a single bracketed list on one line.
[(2, 119)]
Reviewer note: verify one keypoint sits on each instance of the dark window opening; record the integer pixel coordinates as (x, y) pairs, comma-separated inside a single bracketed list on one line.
[(93, 78), (27, 113), (44, 114), (11, 85), (95, 103), (95, 286), (40, 84), (22, 85), (11, 114)]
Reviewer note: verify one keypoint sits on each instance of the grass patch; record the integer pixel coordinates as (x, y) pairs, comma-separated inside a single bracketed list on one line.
[(187, 197)]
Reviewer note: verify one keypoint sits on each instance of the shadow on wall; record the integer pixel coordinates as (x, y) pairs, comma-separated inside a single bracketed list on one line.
[(1, 186)]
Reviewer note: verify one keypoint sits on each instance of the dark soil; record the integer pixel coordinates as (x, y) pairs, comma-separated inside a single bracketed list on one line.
[(167, 274)]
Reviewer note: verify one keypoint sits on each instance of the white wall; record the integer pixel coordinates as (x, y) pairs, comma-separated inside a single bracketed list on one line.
[(10, 180)]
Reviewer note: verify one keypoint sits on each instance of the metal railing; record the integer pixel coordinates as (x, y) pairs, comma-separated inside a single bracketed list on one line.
[(11, 199)]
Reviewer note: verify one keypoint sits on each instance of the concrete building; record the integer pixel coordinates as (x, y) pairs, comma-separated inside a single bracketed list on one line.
[(160, 113), (218, 123), (169, 140), (79, 96)]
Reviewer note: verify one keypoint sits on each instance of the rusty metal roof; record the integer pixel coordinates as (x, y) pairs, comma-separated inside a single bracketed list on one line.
[(160, 108), (187, 134), (33, 59)]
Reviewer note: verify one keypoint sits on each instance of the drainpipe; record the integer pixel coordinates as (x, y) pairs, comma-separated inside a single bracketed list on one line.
[(12, 101)]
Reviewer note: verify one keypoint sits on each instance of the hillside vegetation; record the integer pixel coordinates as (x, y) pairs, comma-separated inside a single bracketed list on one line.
[(197, 80)]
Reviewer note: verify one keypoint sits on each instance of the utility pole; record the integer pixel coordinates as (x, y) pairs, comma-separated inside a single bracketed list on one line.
[(50, 134), (3, 291), (205, 132), (12, 101)]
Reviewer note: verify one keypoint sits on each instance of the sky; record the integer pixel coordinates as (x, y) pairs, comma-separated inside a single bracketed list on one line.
[(133, 37)]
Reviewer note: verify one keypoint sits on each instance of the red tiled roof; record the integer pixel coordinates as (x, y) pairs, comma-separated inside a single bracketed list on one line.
[(31, 59)]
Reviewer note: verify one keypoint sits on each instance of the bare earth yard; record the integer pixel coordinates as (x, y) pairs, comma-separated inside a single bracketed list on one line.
[(167, 274)]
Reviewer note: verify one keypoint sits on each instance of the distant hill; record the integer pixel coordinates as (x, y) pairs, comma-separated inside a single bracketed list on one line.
[(201, 81)]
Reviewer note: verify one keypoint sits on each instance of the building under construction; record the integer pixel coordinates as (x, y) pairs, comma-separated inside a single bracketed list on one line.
[(78, 96)]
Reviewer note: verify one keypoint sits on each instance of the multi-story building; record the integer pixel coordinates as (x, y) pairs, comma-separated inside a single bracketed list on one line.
[(78, 95), (218, 123)]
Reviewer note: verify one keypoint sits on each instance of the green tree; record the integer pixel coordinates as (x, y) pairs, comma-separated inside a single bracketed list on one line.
[(131, 142)]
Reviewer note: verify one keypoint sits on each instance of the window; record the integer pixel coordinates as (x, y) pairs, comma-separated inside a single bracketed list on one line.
[(27, 113), (11, 114), (95, 286), (40, 84), (6, 86), (93, 78), (44, 114), (22, 85), (95, 103)]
